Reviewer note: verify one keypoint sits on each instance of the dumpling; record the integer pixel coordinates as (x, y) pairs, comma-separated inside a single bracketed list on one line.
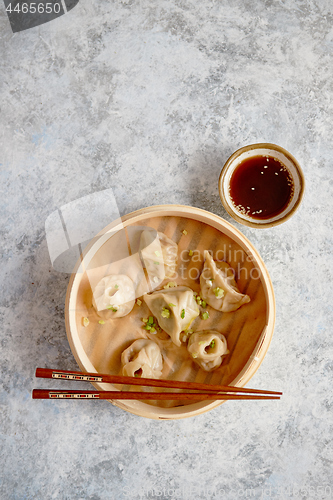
[(174, 309), (207, 348), (159, 255), (142, 359), (218, 286), (114, 296)]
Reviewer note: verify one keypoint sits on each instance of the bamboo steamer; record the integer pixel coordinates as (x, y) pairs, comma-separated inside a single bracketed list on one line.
[(98, 348)]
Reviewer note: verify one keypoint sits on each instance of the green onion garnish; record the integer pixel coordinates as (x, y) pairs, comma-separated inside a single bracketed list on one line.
[(85, 321), (171, 284), (182, 315), (212, 344), (218, 292), (150, 320), (205, 315), (112, 308), (171, 305), (101, 322), (199, 300), (165, 313)]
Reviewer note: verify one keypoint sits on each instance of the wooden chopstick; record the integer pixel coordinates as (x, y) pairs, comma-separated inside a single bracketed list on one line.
[(56, 394), (122, 380)]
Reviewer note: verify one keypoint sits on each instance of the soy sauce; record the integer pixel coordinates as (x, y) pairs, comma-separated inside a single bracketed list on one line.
[(261, 187)]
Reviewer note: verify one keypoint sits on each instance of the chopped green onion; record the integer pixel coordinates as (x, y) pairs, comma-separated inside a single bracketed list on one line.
[(152, 330), (194, 354), (101, 322), (85, 321), (205, 315), (147, 327), (156, 263), (150, 320), (190, 252), (171, 284), (145, 320), (171, 305), (139, 302), (165, 313), (157, 253), (212, 344), (112, 308), (116, 286), (185, 232), (182, 315), (199, 300), (203, 304), (218, 292)]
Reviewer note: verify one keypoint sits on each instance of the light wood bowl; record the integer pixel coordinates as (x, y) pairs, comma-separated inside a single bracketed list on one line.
[(97, 348)]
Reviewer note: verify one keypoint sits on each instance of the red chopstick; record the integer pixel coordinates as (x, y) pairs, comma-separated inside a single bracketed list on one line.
[(122, 380), (195, 396)]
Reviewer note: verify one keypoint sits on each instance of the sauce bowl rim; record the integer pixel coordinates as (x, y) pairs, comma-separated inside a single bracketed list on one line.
[(232, 210)]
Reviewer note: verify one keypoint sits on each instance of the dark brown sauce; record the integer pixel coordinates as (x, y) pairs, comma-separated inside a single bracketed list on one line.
[(261, 187)]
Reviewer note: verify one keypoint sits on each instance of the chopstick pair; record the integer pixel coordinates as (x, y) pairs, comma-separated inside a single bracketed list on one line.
[(208, 391)]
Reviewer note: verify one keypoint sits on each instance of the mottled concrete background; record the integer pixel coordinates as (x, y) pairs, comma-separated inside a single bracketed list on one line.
[(149, 98)]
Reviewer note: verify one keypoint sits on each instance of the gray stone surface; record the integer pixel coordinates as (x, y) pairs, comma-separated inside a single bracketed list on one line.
[(149, 99)]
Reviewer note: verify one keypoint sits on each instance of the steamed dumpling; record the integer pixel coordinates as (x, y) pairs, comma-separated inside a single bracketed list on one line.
[(218, 286), (114, 296), (142, 359), (174, 309), (159, 255), (207, 348)]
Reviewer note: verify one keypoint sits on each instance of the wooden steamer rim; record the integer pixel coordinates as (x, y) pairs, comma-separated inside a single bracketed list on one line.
[(138, 407)]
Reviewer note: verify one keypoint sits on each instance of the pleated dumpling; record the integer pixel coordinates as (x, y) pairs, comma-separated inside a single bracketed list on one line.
[(218, 286), (207, 349), (174, 309), (114, 296), (142, 359), (159, 255)]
